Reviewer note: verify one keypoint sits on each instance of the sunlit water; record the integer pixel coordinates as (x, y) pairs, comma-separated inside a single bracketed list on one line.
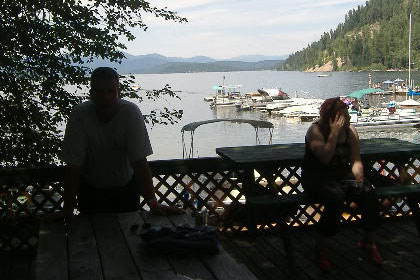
[(167, 141)]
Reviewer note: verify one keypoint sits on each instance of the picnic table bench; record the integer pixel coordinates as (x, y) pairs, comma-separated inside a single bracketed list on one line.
[(108, 246), (267, 158)]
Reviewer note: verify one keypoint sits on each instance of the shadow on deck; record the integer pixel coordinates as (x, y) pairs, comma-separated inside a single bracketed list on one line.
[(398, 242)]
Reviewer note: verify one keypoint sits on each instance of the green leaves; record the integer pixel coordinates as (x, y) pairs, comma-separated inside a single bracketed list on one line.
[(44, 48)]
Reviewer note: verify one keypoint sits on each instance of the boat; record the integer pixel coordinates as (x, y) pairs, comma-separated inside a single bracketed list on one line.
[(135, 87), (274, 93), (392, 123), (278, 105), (226, 96), (244, 106), (209, 98), (405, 114), (323, 75), (304, 112)]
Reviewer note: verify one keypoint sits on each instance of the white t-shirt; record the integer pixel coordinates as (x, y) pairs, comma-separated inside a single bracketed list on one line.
[(105, 150)]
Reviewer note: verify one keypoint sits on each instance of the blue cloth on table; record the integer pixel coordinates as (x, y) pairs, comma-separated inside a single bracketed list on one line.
[(182, 239)]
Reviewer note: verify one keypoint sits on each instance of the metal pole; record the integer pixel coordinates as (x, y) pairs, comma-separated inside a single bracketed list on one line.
[(409, 56)]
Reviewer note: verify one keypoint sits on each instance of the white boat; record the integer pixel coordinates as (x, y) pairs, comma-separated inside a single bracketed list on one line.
[(226, 96), (135, 87), (277, 105), (209, 98), (324, 75), (391, 123), (225, 101), (274, 93), (381, 118), (303, 112)]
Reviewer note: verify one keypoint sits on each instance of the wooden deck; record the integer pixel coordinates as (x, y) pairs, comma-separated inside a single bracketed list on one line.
[(398, 241)]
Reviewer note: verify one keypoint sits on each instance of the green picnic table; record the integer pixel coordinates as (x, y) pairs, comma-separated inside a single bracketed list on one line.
[(388, 155)]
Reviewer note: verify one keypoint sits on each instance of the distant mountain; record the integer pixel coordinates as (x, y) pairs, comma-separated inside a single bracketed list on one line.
[(256, 58), (217, 66), (156, 63)]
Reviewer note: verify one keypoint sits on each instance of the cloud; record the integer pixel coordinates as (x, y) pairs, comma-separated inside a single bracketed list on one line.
[(222, 29)]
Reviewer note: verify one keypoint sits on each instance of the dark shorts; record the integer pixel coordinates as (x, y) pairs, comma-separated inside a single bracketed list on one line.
[(332, 194), (91, 200)]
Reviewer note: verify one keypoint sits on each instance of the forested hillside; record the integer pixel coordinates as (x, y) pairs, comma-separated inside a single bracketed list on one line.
[(373, 36)]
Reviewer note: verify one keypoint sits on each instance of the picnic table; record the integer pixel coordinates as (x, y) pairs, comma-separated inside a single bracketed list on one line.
[(294, 152), (266, 158), (393, 156), (108, 246)]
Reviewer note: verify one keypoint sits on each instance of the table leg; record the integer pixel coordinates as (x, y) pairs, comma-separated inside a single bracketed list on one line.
[(249, 189), (288, 244), (413, 203)]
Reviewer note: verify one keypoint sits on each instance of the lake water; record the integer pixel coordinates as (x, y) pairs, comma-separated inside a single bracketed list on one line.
[(167, 140)]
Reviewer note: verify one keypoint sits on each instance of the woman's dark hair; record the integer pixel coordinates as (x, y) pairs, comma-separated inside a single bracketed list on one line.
[(103, 73), (328, 111)]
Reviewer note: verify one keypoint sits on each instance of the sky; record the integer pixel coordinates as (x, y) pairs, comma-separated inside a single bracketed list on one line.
[(227, 28)]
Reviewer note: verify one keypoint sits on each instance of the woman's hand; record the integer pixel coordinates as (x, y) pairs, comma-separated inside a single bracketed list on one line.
[(337, 123)]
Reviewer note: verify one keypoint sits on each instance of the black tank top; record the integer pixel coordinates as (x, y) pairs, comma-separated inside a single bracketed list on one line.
[(314, 171)]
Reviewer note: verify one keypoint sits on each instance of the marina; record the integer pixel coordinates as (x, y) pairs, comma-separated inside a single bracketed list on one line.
[(388, 108), (194, 87)]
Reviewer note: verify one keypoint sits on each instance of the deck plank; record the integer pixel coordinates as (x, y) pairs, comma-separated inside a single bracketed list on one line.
[(268, 268), (84, 260), (398, 241), (5, 263), (340, 267), (236, 253), (350, 262), (389, 269), (184, 266), (304, 258), (117, 262), (221, 265), (51, 260), (402, 244), (151, 266), (352, 259), (21, 265)]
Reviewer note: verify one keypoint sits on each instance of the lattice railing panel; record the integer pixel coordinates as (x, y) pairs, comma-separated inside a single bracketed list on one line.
[(25, 195), (213, 190), (212, 183)]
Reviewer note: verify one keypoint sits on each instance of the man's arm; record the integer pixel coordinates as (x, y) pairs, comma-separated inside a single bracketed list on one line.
[(71, 186), (143, 178)]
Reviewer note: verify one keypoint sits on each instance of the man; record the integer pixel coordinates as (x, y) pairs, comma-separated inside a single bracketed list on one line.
[(105, 149)]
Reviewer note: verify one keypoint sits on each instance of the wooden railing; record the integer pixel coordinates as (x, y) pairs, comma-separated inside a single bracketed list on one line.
[(193, 183)]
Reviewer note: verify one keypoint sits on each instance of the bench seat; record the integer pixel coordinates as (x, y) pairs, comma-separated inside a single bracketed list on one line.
[(398, 190), (269, 200)]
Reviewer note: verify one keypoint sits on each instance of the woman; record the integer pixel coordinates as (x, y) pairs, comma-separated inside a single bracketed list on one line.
[(332, 156)]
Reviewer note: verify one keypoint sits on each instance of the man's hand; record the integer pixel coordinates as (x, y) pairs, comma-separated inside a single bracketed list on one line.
[(337, 123), (162, 210)]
